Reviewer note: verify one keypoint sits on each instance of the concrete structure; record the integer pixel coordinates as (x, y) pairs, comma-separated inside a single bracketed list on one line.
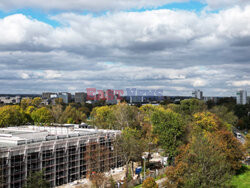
[(48, 95), (80, 97), (10, 100), (66, 97), (241, 97), (65, 154), (198, 94)]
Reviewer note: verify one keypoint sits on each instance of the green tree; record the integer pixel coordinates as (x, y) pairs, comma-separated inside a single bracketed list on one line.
[(130, 146), (12, 116), (42, 116), (35, 180), (36, 101), (103, 117), (149, 183), (25, 102), (191, 106), (224, 114), (72, 115), (169, 128)]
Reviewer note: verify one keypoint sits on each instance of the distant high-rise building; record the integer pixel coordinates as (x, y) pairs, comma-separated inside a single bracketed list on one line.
[(66, 97), (241, 97), (47, 95), (80, 97), (198, 94)]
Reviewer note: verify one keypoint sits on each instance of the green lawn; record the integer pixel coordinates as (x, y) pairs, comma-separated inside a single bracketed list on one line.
[(242, 180)]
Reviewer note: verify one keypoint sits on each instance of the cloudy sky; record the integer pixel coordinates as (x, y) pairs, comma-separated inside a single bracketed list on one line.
[(174, 45)]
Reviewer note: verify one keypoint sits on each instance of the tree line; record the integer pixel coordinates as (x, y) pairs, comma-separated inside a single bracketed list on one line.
[(32, 111), (198, 140)]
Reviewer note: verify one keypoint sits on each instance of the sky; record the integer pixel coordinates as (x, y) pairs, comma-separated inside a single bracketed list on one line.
[(174, 45)]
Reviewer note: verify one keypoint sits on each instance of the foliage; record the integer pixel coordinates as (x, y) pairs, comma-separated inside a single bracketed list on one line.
[(130, 146), (126, 116), (169, 128), (25, 102), (72, 115), (224, 114), (199, 164), (42, 115), (208, 121), (148, 110), (59, 101), (191, 106), (36, 180), (230, 146), (247, 144), (12, 116), (98, 180), (115, 117), (149, 183), (102, 117), (242, 180), (56, 112), (36, 101)]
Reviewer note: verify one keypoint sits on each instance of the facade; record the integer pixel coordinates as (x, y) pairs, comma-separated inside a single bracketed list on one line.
[(198, 94), (47, 95), (64, 154), (10, 100), (66, 97), (241, 97), (80, 97)]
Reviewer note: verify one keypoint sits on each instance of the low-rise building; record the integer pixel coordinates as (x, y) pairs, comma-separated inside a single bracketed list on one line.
[(65, 154)]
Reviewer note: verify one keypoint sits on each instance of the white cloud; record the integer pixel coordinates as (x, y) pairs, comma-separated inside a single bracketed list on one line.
[(24, 75), (199, 83), (161, 48), (93, 5), (218, 4), (241, 83)]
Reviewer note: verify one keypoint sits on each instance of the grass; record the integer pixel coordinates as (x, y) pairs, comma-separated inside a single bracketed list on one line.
[(242, 180)]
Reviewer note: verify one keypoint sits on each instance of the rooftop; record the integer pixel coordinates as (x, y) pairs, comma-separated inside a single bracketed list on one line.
[(14, 136)]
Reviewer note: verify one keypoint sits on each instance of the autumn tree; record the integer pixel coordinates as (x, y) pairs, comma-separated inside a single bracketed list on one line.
[(208, 121), (56, 112), (169, 128), (98, 180), (149, 183), (247, 144), (103, 117), (201, 163), (25, 102), (12, 116), (230, 146), (126, 116), (36, 101), (42, 116)]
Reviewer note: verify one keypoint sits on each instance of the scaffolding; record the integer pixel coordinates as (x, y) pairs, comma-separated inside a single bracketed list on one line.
[(62, 160)]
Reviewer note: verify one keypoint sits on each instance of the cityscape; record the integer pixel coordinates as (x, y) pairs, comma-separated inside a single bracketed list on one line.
[(124, 94)]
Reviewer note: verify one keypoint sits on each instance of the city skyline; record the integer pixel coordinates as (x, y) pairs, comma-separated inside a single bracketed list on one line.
[(173, 45)]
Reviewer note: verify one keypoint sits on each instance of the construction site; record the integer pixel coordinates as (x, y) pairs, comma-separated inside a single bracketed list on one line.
[(65, 154)]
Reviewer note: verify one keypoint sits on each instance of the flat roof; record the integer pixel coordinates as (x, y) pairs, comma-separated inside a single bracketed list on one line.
[(14, 136)]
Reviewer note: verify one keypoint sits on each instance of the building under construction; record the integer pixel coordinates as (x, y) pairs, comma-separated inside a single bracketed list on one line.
[(64, 154)]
